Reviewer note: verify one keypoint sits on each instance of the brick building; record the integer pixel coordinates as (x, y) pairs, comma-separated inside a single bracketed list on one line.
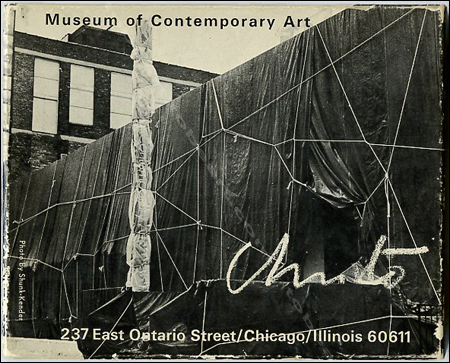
[(63, 94)]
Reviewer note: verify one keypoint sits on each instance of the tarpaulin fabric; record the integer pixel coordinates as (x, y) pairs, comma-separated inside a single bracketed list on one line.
[(333, 137), (114, 314), (208, 307), (61, 247)]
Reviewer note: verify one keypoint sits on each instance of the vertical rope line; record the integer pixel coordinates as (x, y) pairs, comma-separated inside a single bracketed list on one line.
[(21, 214), (73, 206), (204, 319), (113, 202), (295, 132), (223, 177), (173, 262), (407, 90), (63, 280), (87, 216), (221, 205), (39, 248), (204, 113), (388, 217), (159, 263), (112, 329), (158, 158), (198, 215), (413, 239), (92, 195), (349, 104)]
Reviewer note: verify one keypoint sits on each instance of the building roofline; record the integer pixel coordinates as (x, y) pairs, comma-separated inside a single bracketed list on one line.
[(82, 27), (208, 73)]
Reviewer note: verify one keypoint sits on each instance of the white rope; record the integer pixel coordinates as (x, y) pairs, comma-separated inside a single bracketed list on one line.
[(159, 157), (284, 164), (118, 163), (112, 329), (413, 239), (63, 280), (359, 213), (159, 265), (223, 131), (168, 303), (198, 224), (21, 215), (204, 319), (212, 133), (372, 193), (376, 156), (93, 192), (358, 141), (155, 225), (348, 101), (318, 140), (407, 89), (35, 260), (321, 70), (190, 151), (228, 131), (176, 207), (28, 219), (388, 222), (171, 259), (176, 170), (235, 237), (67, 296), (294, 144), (80, 172), (116, 192), (46, 213), (223, 177), (221, 205), (204, 115), (409, 147), (217, 104), (197, 237)]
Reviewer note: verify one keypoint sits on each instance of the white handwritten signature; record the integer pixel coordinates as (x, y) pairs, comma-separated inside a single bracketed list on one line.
[(358, 274)]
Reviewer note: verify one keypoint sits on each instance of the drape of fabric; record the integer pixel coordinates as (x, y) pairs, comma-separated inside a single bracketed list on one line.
[(269, 148)]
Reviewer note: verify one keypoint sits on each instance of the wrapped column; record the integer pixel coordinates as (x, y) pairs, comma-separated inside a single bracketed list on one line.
[(142, 201)]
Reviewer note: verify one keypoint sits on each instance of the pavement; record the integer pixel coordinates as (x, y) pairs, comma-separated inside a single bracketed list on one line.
[(27, 348)]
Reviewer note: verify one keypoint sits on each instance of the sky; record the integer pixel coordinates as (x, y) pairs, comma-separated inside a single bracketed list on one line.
[(207, 48)]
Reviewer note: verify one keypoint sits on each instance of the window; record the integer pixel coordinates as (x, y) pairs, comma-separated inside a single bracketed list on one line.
[(121, 91), (120, 100), (81, 95), (163, 94), (45, 96)]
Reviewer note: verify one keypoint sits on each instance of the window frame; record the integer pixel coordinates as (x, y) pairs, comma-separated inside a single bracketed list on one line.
[(114, 94), (80, 89), (42, 74)]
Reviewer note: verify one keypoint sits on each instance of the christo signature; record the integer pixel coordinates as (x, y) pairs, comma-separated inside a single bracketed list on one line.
[(356, 273)]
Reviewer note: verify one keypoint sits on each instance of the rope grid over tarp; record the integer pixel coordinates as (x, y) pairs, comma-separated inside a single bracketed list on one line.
[(308, 138)]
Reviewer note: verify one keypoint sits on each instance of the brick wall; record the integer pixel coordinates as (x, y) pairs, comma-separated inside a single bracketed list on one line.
[(22, 91), (179, 89), (33, 151)]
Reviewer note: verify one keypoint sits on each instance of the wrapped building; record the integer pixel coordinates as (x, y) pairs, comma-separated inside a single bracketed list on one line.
[(333, 139)]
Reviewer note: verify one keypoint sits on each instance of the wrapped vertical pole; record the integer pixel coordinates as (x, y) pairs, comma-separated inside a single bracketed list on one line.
[(142, 201)]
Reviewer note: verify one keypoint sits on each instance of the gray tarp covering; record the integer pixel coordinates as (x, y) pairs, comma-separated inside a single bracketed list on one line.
[(298, 140)]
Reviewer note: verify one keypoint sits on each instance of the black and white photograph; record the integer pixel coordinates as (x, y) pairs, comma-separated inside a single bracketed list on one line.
[(220, 181)]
